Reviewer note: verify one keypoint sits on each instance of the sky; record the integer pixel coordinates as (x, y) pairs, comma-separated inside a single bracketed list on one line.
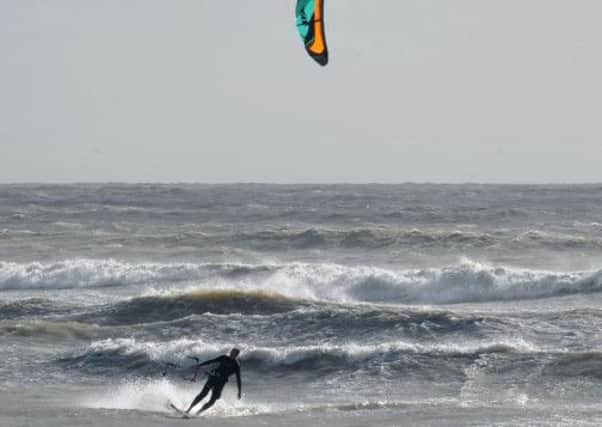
[(505, 91)]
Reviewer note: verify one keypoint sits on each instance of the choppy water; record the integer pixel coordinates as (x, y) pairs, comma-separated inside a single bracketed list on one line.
[(353, 305)]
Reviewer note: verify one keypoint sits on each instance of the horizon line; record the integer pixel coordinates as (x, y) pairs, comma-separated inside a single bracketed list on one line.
[(303, 183)]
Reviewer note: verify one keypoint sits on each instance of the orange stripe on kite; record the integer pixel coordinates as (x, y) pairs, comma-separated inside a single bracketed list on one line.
[(319, 44)]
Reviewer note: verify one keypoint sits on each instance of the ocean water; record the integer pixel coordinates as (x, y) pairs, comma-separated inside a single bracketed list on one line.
[(353, 305)]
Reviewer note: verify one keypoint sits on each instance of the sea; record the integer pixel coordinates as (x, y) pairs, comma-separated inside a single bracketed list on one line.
[(352, 305)]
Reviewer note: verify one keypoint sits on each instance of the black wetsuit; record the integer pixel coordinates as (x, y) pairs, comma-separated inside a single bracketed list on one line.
[(218, 377)]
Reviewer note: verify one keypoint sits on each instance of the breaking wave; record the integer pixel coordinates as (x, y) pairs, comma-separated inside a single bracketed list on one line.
[(466, 281), (50, 329), (82, 273), (150, 357)]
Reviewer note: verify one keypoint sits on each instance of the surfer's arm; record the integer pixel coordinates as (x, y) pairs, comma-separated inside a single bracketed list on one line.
[(209, 362)]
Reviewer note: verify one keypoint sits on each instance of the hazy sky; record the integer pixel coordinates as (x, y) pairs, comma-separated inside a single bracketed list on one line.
[(222, 91)]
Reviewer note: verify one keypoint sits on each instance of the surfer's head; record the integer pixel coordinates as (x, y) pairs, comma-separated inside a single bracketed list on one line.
[(234, 353)]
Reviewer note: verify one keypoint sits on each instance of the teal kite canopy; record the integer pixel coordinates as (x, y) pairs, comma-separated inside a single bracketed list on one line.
[(309, 15)]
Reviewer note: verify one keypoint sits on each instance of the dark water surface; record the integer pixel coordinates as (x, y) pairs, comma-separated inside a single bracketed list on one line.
[(352, 304)]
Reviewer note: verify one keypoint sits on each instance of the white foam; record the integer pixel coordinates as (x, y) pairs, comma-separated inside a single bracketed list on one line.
[(177, 350), (138, 395), (155, 396), (466, 281), (78, 273), (170, 351)]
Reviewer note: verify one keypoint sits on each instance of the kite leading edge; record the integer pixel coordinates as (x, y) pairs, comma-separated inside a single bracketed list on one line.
[(310, 24)]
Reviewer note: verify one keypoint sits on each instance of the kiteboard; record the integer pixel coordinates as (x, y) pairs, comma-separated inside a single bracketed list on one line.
[(182, 412)]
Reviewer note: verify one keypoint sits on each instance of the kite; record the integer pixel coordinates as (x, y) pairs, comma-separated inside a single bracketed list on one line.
[(310, 24)]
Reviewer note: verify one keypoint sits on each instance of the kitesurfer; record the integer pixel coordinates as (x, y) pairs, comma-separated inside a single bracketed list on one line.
[(218, 377)]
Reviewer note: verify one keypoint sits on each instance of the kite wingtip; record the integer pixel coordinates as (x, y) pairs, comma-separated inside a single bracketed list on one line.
[(321, 59)]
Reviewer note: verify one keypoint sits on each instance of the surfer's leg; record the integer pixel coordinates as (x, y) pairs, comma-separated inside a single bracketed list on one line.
[(215, 395), (200, 396)]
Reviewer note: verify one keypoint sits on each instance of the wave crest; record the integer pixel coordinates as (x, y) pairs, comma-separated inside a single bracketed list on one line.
[(170, 307), (41, 328), (466, 281), (83, 273), (148, 357)]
